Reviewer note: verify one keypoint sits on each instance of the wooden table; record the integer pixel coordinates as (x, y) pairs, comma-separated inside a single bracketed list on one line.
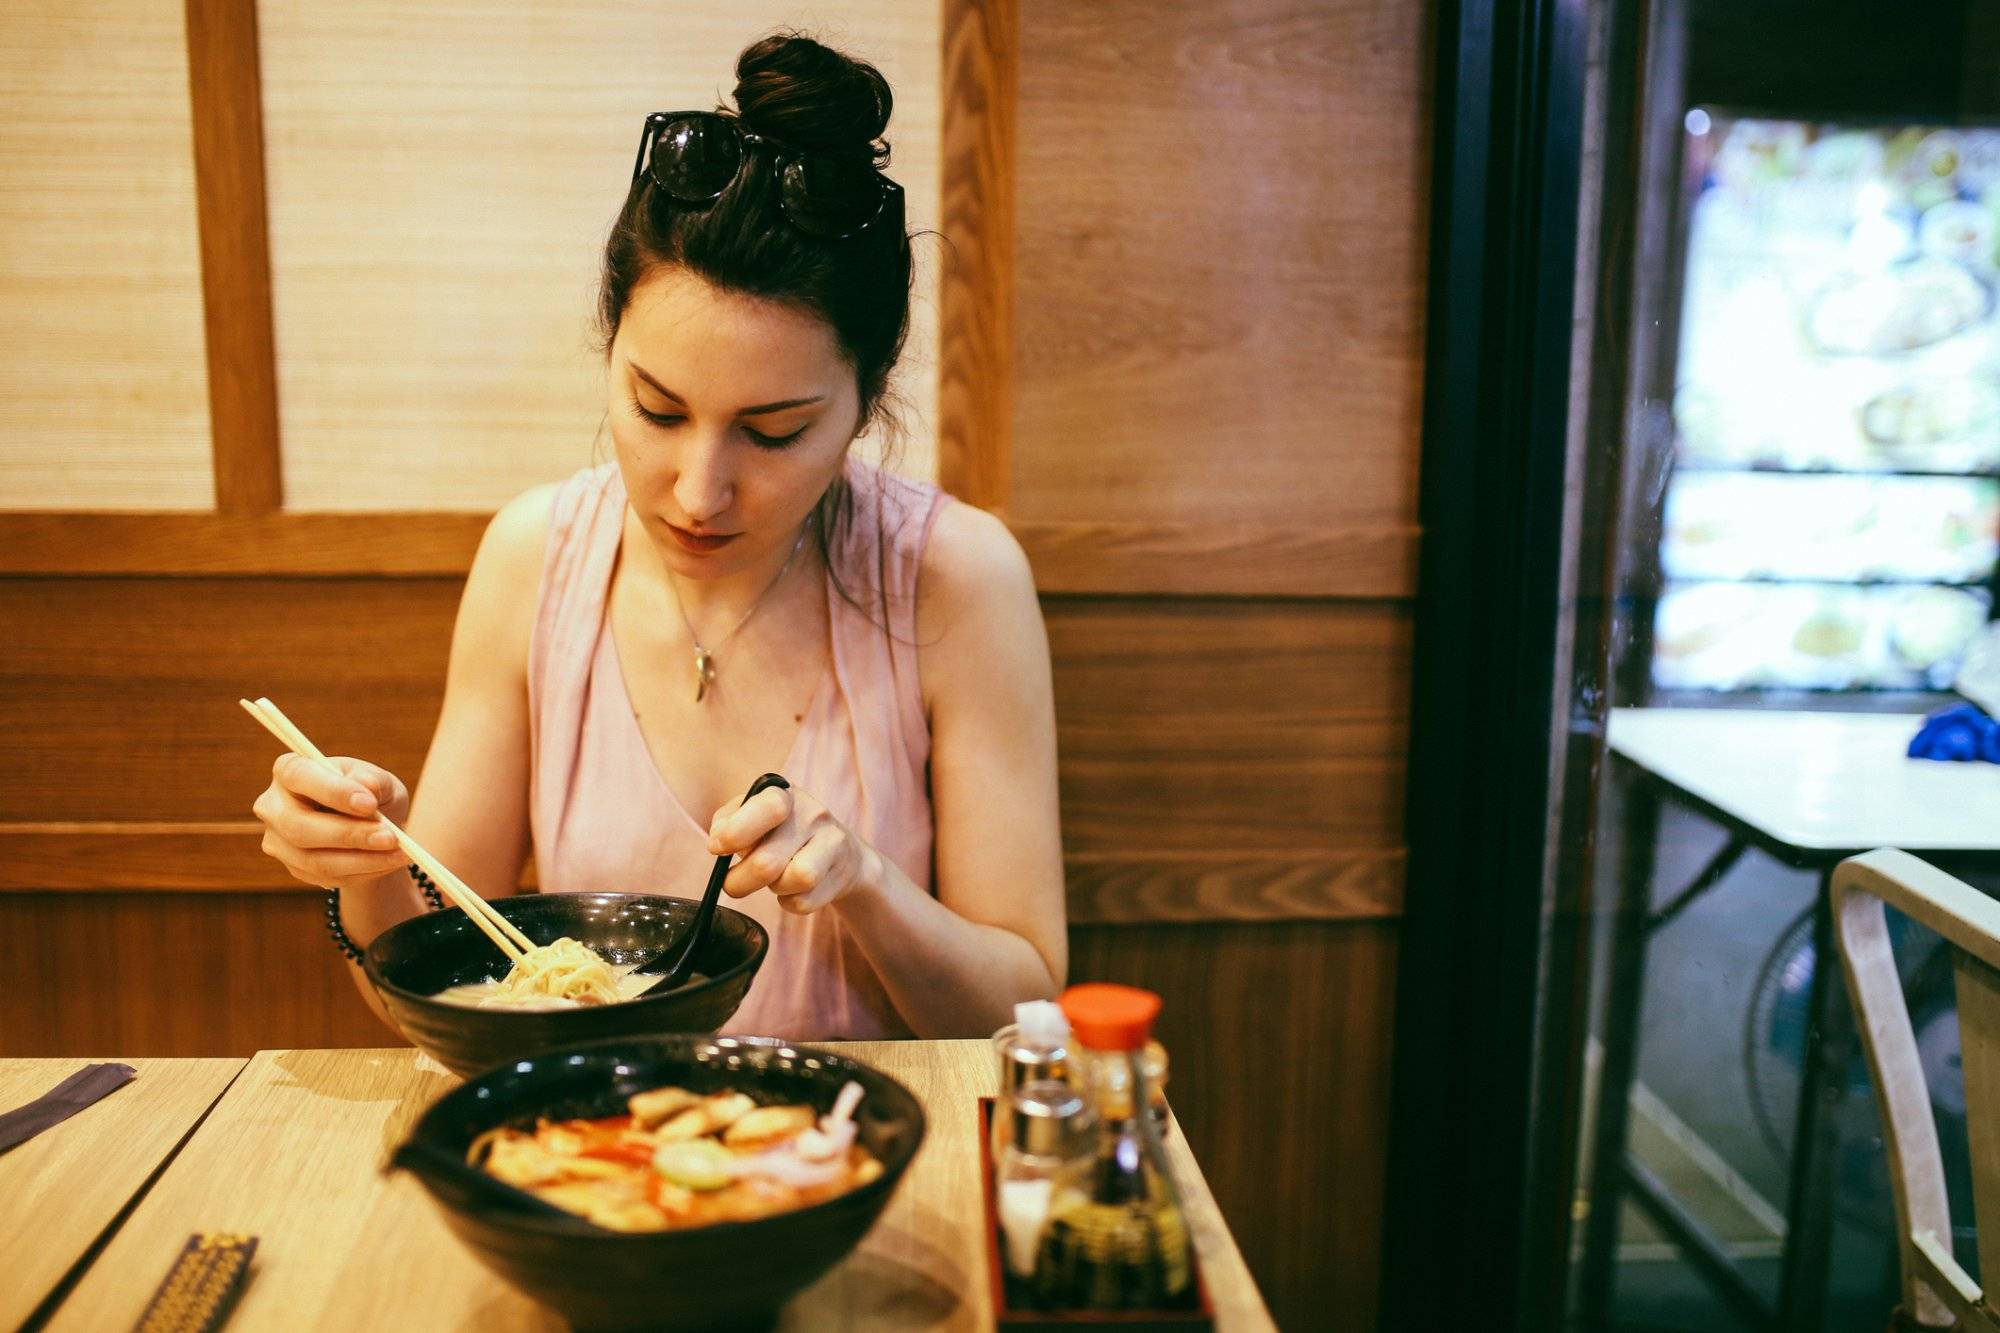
[(291, 1155), (60, 1190)]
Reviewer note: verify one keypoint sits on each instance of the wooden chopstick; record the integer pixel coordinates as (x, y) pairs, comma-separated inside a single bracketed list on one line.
[(499, 929)]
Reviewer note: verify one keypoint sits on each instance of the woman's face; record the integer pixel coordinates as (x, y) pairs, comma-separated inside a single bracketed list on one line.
[(730, 415)]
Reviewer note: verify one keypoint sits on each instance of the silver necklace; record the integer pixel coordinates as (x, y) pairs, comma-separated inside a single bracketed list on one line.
[(704, 656)]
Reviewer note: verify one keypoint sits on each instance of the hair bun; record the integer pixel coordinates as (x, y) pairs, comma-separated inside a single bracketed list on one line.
[(795, 89)]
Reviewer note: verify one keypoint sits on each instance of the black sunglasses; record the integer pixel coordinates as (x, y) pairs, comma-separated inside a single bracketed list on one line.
[(693, 156)]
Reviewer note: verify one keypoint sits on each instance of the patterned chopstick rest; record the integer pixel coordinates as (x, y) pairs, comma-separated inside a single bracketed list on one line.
[(64, 1100), (203, 1284)]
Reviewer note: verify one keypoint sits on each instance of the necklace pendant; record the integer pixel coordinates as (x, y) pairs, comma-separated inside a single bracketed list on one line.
[(704, 671)]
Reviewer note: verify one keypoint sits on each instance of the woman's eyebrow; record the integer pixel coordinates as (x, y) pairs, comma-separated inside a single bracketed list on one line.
[(757, 411)]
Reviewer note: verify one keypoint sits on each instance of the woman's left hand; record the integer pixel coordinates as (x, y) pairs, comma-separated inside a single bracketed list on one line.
[(792, 845)]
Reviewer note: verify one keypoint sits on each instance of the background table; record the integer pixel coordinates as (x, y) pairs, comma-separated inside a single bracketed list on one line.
[(62, 1188), (1809, 789), (1815, 783), (292, 1153)]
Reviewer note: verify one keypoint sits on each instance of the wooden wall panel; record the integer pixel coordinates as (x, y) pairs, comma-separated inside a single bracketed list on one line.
[(1217, 260), (976, 340), (1218, 725), (118, 696), (103, 385), (1278, 1042), (441, 178), (174, 974), (1220, 262), (1195, 292), (1196, 777), (228, 92)]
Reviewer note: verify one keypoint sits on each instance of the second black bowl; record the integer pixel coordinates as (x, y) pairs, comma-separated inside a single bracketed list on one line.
[(726, 1275), (412, 961)]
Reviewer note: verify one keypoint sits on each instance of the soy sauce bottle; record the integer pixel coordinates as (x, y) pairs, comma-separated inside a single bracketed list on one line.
[(1116, 1237)]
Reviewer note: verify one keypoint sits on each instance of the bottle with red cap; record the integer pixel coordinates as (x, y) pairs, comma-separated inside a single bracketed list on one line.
[(1115, 1237)]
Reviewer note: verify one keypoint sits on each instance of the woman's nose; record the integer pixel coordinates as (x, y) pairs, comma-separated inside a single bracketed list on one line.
[(704, 488)]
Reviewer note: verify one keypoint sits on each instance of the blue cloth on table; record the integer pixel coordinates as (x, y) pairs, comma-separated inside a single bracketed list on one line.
[(1960, 732)]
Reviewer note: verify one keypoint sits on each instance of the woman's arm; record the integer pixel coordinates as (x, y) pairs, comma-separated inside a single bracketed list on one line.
[(471, 804), (954, 964), (471, 808)]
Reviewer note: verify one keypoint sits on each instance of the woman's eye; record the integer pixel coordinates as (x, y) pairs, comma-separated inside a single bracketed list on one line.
[(763, 441), (657, 418)]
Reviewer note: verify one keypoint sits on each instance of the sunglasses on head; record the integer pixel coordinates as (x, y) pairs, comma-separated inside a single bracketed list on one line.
[(693, 156)]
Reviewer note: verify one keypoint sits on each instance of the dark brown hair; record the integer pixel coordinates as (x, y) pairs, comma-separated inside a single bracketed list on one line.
[(793, 89), (810, 96)]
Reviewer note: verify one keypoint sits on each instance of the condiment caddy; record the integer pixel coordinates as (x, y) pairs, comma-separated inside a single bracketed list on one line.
[(1083, 1220)]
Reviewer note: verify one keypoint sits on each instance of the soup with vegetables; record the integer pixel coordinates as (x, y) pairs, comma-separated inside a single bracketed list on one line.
[(681, 1159)]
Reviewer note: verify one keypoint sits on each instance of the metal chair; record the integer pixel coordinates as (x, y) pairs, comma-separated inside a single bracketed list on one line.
[(1937, 1292)]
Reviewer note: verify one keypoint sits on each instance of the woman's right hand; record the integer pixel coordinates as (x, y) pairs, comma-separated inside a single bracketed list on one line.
[(325, 830)]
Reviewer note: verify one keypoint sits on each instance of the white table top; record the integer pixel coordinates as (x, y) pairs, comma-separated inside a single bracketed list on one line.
[(1817, 781)]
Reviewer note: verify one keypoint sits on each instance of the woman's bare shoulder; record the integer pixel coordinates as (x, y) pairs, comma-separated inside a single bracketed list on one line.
[(496, 614), (972, 557), (519, 533), (979, 622)]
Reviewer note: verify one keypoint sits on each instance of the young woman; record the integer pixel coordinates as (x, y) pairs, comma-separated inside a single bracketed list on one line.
[(736, 594)]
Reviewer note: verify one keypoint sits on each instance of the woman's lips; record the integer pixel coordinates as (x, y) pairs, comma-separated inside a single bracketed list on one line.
[(701, 543)]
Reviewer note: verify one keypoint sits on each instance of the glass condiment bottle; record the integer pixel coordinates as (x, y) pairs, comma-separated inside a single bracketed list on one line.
[(1045, 1127), (1034, 1048), (1154, 1061), (1115, 1237)]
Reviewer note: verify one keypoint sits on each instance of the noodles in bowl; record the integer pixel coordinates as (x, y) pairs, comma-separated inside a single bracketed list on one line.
[(563, 975), (448, 989)]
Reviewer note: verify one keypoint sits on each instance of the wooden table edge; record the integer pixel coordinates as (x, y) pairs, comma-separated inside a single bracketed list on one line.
[(52, 1300)]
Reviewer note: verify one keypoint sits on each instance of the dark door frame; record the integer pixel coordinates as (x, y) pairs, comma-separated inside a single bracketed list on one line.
[(1489, 1001)]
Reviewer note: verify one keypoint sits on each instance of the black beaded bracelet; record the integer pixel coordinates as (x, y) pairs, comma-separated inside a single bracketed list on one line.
[(430, 889), (342, 942), (338, 931)]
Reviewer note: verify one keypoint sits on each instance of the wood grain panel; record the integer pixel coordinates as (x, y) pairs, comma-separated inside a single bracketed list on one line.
[(441, 179), (235, 256), (1278, 1037), (225, 857), (1220, 260), (1068, 558), (174, 974), (1229, 725), (976, 296), (103, 397), (1224, 726), (1216, 559), (1136, 888), (390, 544), (118, 696)]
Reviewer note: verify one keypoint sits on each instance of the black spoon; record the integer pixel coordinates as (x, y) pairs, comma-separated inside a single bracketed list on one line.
[(698, 934)]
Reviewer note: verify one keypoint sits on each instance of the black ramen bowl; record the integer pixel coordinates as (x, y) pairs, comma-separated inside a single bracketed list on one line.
[(413, 960), (723, 1275)]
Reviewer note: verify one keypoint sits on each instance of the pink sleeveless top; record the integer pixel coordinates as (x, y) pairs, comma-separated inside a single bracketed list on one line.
[(604, 818)]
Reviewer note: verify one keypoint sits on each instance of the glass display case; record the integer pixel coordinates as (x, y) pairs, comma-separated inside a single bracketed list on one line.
[(1831, 520)]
